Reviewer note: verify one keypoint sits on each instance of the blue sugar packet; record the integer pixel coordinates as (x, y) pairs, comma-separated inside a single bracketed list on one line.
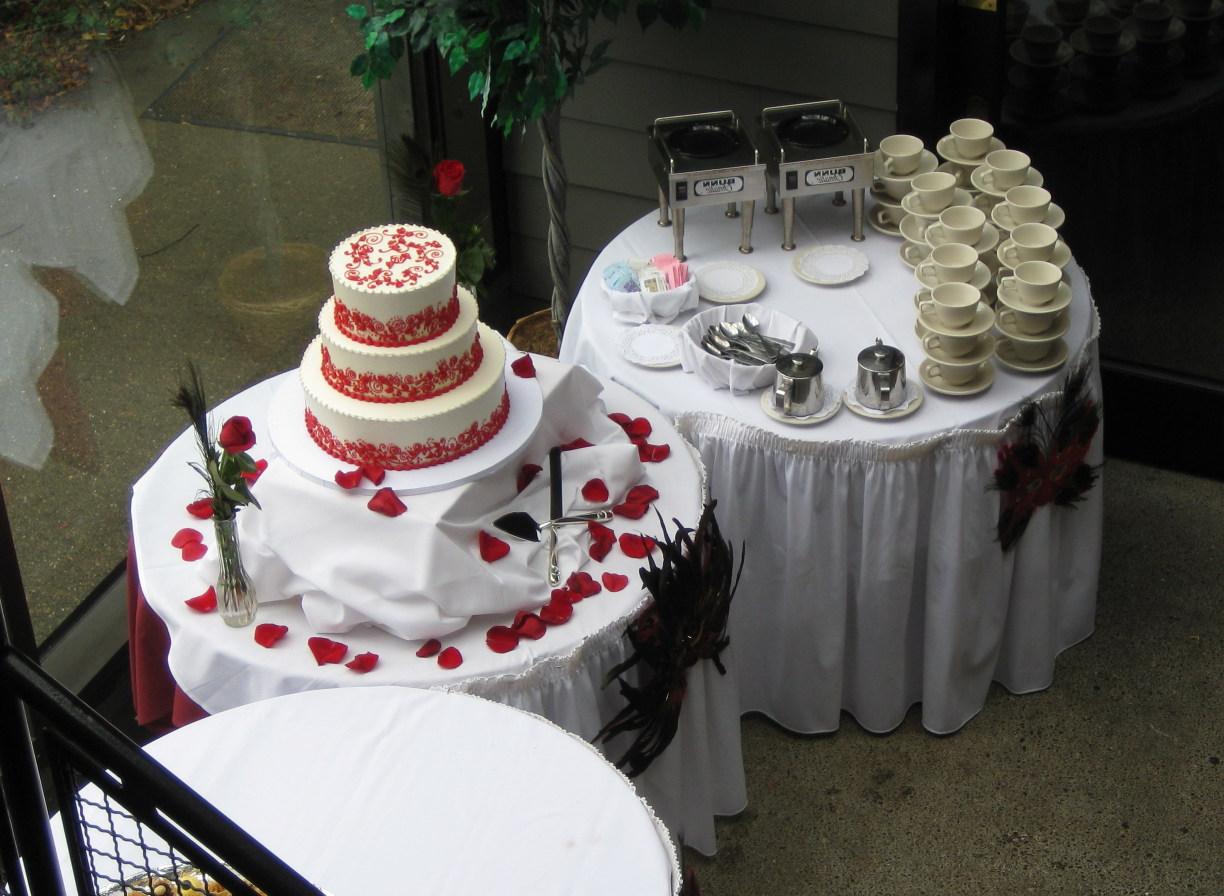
[(620, 277)]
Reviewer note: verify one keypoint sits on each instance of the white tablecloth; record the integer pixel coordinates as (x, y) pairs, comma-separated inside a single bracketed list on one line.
[(558, 677), (402, 790), (873, 578)]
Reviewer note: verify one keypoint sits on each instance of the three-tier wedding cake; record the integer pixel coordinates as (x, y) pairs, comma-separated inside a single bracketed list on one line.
[(402, 374)]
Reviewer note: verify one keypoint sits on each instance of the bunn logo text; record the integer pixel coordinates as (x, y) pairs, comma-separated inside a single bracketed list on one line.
[(716, 186), (842, 174)]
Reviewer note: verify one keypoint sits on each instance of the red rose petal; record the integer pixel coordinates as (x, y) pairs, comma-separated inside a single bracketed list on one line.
[(253, 477), (621, 420), (492, 548), (374, 473), (194, 550), (523, 367), (526, 474), (530, 626), (614, 581), (326, 650), (429, 648), (204, 603), (575, 444), (201, 509), (640, 427), (602, 539), (348, 478), (631, 510), (362, 662), (184, 537), (556, 612), (636, 546), (501, 639), (652, 454), (450, 658), (386, 502), (564, 594), (582, 583), (595, 491), (268, 633), (641, 494)]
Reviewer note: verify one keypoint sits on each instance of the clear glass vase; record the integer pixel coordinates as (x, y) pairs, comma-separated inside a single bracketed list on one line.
[(236, 600)]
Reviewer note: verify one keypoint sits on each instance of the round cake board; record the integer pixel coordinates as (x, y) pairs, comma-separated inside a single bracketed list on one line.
[(287, 427)]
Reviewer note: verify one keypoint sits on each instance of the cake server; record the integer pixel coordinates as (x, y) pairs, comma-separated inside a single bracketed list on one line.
[(522, 525)]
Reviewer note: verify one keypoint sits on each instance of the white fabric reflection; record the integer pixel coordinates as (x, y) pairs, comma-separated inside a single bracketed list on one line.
[(65, 178)]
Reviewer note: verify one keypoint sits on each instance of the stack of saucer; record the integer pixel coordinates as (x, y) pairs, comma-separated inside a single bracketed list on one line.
[(1158, 37), (899, 160), (1201, 43), (1038, 78), (954, 325), (1100, 45)]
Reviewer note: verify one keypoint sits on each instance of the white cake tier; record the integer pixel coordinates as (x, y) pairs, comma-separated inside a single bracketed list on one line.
[(407, 436), (401, 373), (394, 285)]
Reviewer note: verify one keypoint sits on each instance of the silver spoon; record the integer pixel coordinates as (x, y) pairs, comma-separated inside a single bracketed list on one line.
[(733, 350), (753, 325)]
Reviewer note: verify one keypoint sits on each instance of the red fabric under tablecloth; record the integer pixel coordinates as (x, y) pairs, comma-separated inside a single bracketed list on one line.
[(160, 705)]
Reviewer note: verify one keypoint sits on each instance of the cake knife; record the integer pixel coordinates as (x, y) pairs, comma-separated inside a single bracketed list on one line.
[(522, 525)]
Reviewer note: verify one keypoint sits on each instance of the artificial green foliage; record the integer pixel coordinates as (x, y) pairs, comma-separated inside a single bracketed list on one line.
[(523, 57)]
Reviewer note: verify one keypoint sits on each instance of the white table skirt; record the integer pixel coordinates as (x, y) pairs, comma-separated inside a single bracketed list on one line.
[(873, 578), (431, 792), (559, 677)]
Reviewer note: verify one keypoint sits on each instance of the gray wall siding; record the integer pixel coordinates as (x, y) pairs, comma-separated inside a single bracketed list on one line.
[(749, 54)]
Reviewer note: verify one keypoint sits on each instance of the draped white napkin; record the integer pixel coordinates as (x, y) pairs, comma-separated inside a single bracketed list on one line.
[(421, 575), (653, 307)]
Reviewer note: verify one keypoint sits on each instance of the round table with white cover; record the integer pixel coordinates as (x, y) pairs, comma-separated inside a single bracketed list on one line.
[(325, 565), (401, 790), (873, 578)]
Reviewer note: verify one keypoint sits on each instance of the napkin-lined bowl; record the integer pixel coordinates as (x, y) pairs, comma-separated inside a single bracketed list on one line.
[(724, 374)]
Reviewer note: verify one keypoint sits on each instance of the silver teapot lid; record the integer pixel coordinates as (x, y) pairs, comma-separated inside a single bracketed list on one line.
[(881, 358)]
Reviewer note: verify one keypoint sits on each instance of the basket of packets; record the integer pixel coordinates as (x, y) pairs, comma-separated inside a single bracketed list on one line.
[(651, 290)]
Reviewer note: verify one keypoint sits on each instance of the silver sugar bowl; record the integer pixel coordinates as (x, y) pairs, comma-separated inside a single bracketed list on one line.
[(881, 377)]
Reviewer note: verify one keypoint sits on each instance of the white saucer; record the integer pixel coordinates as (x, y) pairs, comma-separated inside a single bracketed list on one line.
[(936, 236), (922, 248), (979, 280), (1010, 297), (727, 282), (913, 229), (1061, 256), (983, 181), (875, 219), (830, 265), (913, 401), (985, 202), (926, 163), (1006, 356), (287, 427), (983, 350), (981, 381), (913, 206), (1056, 329), (652, 345), (946, 147), (1001, 215), (983, 320), (830, 404)]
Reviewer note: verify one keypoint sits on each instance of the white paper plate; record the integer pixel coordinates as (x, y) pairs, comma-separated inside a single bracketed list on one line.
[(287, 426), (652, 345), (726, 282), (831, 265)]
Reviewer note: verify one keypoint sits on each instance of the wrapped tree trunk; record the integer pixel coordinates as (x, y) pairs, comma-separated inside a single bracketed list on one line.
[(555, 185)]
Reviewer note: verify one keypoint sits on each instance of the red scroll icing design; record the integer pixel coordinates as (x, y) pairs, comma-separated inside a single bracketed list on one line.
[(429, 453), (393, 388), (409, 330), (395, 257)]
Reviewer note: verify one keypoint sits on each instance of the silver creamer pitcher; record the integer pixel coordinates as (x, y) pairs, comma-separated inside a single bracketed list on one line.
[(881, 377), (797, 386)]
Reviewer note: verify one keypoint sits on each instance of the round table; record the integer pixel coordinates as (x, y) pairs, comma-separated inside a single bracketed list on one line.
[(559, 676), (392, 788), (873, 578)]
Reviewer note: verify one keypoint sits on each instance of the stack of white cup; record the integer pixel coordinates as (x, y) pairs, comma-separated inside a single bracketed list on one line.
[(953, 321)]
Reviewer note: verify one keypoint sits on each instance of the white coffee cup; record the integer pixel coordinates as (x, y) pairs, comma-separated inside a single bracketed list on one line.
[(935, 190), (1032, 242), (952, 346), (902, 153), (972, 136), (949, 263), (953, 374), (1032, 349), (963, 223), (1032, 323), (1008, 168), (915, 253), (1035, 282), (889, 215), (1027, 203), (955, 304)]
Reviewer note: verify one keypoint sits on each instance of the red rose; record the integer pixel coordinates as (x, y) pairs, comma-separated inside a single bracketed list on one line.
[(448, 177), (237, 435)]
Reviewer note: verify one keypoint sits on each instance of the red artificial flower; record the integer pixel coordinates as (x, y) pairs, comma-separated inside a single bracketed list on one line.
[(523, 367), (362, 662), (268, 633), (204, 603), (501, 639), (386, 502), (450, 658), (614, 581), (237, 435), (201, 509), (253, 476), (526, 474), (194, 550), (448, 177), (326, 650), (429, 648), (595, 491), (348, 479), (636, 546), (492, 548)]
